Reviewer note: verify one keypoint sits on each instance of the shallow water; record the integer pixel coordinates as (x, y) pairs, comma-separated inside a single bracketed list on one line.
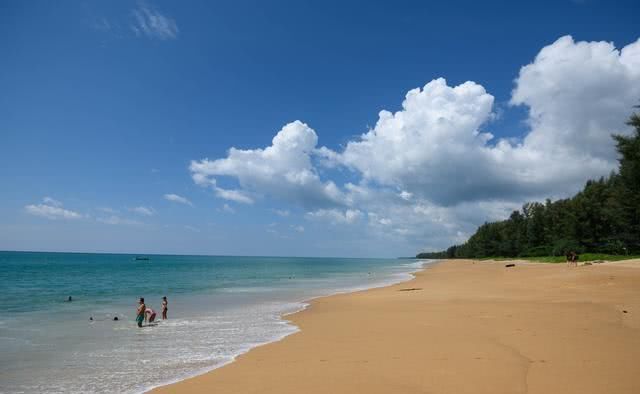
[(219, 307)]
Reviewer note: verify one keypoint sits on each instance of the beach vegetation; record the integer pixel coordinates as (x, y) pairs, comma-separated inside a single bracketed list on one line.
[(561, 259)]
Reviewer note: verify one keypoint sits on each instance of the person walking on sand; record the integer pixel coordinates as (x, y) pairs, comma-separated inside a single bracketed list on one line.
[(164, 308), (141, 311)]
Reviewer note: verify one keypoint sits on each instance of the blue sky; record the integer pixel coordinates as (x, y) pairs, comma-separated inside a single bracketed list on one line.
[(107, 107)]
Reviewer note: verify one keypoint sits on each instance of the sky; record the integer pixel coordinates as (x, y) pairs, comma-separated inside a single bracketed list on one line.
[(298, 128)]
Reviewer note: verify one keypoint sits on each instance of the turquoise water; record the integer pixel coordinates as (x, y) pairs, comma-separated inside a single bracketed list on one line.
[(219, 307)]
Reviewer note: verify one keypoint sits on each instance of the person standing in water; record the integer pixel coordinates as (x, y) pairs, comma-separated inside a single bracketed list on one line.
[(164, 308), (142, 308)]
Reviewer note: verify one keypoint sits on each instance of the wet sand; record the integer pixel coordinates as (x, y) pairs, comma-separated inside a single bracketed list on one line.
[(459, 327)]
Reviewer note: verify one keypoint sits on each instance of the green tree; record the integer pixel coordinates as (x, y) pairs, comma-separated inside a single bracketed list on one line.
[(629, 182)]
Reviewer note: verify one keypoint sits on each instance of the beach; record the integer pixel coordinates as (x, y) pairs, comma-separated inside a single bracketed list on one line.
[(219, 307), (460, 326)]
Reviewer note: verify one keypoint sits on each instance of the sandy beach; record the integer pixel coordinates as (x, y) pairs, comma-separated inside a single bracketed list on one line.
[(459, 327)]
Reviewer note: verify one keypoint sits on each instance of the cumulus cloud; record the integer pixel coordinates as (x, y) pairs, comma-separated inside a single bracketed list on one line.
[(176, 198), (149, 22), (578, 93), (283, 170), (417, 148), (144, 211), (336, 216), (51, 209), (437, 147), (233, 195), (433, 170)]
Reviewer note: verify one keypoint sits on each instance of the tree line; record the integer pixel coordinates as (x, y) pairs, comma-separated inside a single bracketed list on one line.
[(602, 218)]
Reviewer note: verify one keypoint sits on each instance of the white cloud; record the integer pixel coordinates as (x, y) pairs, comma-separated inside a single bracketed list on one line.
[(432, 171), (423, 224), (405, 195), (51, 209), (176, 198), (336, 216), (228, 208), (282, 212), (376, 220), (52, 202), (283, 170), (419, 149), (436, 147), (578, 93), (151, 23), (144, 211), (233, 195), (299, 229), (118, 220)]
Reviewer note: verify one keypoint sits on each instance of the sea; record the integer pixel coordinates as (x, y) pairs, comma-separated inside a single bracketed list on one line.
[(218, 308)]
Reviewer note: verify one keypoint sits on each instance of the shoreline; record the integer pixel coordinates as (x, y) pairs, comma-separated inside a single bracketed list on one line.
[(346, 342), (305, 304)]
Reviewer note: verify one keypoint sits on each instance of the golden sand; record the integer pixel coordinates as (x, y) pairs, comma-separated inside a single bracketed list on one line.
[(458, 327)]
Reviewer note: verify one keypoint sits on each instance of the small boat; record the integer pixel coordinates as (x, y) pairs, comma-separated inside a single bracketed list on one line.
[(141, 258)]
